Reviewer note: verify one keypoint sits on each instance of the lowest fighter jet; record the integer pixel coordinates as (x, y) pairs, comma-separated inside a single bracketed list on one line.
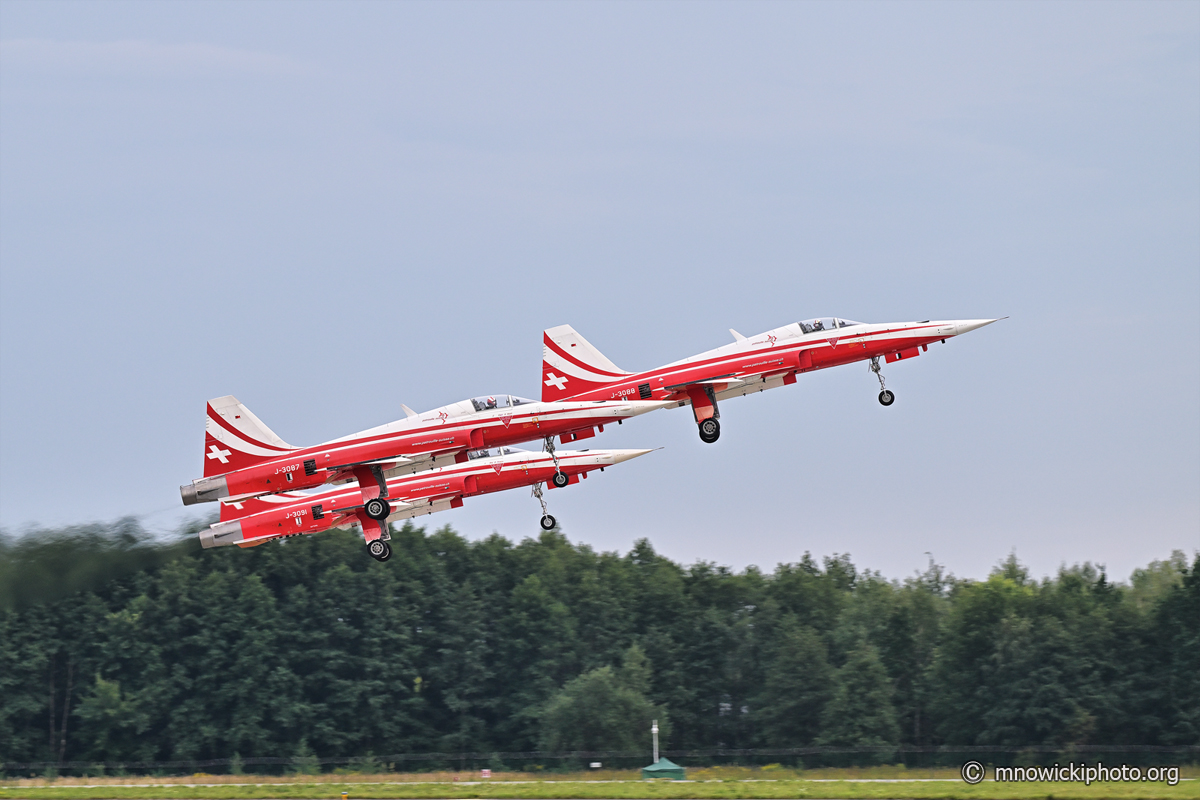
[(572, 369), (253, 521), (245, 458)]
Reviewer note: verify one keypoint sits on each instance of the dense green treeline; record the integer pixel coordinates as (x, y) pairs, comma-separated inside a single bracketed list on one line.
[(116, 648)]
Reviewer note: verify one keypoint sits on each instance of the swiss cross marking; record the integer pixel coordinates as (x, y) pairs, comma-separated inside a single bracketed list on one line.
[(217, 453), (555, 381)]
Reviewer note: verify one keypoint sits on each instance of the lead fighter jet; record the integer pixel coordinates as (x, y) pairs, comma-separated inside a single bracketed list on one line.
[(244, 458), (572, 369)]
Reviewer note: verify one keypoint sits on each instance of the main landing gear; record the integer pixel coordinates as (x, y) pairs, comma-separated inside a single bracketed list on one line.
[(560, 479), (377, 508), (379, 550), (706, 413), (548, 522), (886, 396)]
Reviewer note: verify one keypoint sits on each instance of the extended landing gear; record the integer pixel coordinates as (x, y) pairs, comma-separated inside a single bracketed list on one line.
[(706, 413), (559, 479), (886, 396), (379, 550), (377, 508), (548, 522)]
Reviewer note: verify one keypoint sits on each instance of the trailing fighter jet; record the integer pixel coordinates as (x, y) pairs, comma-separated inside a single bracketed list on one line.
[(244, 458), (253, 521), (572, 369)]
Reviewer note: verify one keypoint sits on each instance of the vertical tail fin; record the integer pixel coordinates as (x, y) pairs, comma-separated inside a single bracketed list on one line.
[(234, 438), (571, 366)]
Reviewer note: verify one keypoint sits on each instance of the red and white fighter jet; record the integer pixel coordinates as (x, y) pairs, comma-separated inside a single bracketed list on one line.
[(572, 369), (253, 521), (245, 458)]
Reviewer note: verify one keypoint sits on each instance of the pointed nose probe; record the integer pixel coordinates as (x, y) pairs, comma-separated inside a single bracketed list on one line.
[(967, 325), (625, 455)]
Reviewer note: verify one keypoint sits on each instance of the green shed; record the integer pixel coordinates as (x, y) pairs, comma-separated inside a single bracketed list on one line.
[(664, 768)]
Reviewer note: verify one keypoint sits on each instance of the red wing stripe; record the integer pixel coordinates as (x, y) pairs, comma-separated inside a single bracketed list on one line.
[(214, 416), (572, 360)]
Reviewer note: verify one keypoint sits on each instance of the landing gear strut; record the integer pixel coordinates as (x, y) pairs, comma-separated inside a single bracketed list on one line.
[(379, 550), (710, 430), (560, 479), (886, 397), (548, 521)]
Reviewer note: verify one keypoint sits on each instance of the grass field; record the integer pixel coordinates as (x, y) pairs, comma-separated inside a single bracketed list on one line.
[(882, 782)]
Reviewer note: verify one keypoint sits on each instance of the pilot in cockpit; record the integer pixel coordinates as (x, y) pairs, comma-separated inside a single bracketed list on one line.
[(818, 325)]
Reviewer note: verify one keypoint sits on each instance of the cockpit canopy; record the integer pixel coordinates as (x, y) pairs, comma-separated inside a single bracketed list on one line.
[(493, 452), (493, 401), (826, 324)]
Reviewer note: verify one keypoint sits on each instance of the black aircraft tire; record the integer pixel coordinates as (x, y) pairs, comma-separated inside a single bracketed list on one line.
[(377, 509), (548, 522), (560, 480), (886, 397), (379, 550), (710, 430)]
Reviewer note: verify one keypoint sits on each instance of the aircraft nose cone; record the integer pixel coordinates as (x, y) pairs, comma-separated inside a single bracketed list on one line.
[(624, 455), (967, 325)]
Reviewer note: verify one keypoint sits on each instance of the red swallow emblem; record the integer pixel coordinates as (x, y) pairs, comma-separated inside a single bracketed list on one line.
[(506, 419)]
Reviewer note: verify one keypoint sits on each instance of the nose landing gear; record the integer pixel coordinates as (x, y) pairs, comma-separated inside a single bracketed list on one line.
[(547, 522), (710, 430), (560, 479), (886, 396)]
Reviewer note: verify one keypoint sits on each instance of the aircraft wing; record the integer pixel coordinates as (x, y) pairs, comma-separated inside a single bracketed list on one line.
[(706, 382), (385, 463), (760, 366)]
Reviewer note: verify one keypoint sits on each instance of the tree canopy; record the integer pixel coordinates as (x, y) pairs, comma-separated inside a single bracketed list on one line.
[(117, 647)]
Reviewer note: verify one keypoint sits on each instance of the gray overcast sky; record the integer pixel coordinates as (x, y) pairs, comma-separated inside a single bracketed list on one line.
[(332, 209)]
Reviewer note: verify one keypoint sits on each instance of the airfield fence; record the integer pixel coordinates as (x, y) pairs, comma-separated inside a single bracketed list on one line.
[(563, 761)]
